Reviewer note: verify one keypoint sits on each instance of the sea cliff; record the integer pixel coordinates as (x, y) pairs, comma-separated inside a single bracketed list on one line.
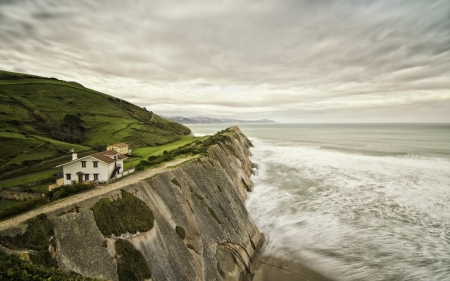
[(187, 223)]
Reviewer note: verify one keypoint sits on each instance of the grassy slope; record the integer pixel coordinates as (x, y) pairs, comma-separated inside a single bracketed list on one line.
[(24, 136), (144, 152)]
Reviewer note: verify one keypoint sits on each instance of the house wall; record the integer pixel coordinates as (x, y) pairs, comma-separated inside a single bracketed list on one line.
[(122, 150), (103, 170), (58, 183)]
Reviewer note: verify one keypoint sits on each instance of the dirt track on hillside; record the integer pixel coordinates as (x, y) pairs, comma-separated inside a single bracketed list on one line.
[(133, 178)]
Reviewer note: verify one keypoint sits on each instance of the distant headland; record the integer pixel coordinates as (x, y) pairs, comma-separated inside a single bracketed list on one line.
[(209, 120)]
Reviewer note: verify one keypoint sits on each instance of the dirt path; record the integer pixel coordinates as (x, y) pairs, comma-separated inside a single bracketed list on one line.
[(85, 195)]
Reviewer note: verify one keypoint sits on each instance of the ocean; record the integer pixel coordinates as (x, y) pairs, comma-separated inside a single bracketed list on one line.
[(353, 201)]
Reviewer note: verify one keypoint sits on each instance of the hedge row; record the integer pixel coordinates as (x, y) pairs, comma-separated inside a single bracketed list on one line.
[(22, 207), (52, 195), (67, 190)]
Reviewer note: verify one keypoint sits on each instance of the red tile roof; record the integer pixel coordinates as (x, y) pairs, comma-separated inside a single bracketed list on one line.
[(120, 144), (103, 156)]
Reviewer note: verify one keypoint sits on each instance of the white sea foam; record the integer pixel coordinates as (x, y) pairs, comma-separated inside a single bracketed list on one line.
[(353, 216)]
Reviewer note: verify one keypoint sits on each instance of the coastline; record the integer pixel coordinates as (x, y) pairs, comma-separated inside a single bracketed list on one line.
[(271, 268)]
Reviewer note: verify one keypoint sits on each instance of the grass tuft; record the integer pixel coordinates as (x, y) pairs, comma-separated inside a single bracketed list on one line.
[(175, 182)]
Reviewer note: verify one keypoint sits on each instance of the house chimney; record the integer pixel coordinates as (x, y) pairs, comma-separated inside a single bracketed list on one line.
[(74, 155)]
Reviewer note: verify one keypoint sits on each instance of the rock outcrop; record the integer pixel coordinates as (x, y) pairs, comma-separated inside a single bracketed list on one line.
[(194, 225)]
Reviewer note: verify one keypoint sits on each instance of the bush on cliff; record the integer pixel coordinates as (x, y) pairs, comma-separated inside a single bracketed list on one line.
[(127, 214), (180, 231), (37, 237), (131, 264), (13, 268)]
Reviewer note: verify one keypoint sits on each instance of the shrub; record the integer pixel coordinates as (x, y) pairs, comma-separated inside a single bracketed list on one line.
[(22, 207), (175, 182), (150, 158), (128, 214), (131, 264), (67, 190), (38, 238), (13, 268), (180, 231)]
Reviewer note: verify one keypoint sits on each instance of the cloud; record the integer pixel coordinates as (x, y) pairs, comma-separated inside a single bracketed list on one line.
[(282, 59)]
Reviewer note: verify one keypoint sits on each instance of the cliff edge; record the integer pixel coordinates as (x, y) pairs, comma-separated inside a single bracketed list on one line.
[(188, 223)]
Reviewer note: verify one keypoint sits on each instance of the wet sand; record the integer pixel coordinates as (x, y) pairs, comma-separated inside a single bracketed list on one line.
[(273, 269)]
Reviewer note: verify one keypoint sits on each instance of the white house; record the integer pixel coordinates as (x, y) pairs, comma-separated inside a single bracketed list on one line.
[(100, 166)]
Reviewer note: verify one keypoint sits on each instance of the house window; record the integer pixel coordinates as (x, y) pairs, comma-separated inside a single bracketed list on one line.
[(86, 177), (96, 177), (95, 164), (83, 164), (68, 176)]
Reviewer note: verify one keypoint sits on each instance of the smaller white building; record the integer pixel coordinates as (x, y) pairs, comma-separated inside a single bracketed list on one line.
[(100, 166)]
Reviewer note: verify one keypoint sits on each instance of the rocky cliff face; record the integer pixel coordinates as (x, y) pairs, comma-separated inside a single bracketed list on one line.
[(188, 223)]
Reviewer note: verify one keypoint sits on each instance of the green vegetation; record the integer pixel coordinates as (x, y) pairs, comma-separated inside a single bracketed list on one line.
[(39, 188), (17, 207), (32, 153), (67, 190), (14, 269), (5, 203), (42, 118), (37, 237), (20, 207), (128, 214), (47, 165), (30, 178), (180, 231), (193, 148), (175, 182), (197, 147), (146, 152), (131, 264)]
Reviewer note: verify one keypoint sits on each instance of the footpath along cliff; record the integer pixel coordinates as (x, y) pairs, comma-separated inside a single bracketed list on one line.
[(188, 223)]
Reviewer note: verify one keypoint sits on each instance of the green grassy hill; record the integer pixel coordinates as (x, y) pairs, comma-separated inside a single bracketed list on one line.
[(42, 118)]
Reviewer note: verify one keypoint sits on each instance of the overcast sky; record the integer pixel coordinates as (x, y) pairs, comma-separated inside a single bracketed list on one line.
[(290, 61)]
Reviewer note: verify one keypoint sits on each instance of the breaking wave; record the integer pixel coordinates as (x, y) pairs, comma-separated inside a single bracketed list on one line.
[(353, 216)]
